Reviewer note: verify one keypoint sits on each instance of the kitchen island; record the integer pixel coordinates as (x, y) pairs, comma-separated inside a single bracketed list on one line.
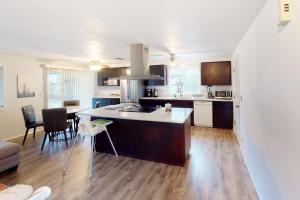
[(157, 136)]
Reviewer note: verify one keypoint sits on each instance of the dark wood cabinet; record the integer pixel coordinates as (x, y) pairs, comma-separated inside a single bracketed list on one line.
[(168, 143), (222, 110), (222, 114), (160, 102), (106, 74), (216, 73), (160, 70), (115, 101)]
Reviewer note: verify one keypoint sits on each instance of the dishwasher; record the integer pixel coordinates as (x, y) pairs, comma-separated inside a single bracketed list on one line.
[(203, 113)]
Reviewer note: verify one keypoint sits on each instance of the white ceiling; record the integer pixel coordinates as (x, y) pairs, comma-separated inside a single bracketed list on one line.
[(103, 29)]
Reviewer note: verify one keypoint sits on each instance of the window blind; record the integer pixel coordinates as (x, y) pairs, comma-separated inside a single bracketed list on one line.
[(64, 84)]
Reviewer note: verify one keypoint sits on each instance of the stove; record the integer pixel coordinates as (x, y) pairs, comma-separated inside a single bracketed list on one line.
[(138, 109)]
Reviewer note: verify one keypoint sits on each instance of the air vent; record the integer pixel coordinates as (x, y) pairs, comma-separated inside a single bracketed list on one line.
[(284, 12), (119, 58)]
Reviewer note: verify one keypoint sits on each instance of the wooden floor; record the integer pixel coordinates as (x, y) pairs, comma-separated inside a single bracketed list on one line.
[(215, 170)]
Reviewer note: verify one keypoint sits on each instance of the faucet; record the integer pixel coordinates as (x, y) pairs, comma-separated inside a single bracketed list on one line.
[(179, 85)]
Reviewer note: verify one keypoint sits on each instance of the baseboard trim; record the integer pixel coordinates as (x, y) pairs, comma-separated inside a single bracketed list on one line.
[(37, 132)]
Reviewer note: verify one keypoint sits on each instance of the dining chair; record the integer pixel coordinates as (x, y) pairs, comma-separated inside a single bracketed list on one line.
[(72, 117), (91, 128), (30, 120), (55, 121), (71, 103), (97, 105)]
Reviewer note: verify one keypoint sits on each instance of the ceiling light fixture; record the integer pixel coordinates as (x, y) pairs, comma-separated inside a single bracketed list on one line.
[(95, 65)]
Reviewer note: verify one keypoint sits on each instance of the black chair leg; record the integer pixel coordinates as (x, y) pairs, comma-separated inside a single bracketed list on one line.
[(49, 137), (76, 128), (34, 132), (45, 136), (74, 124), (66, 139), (25, 135), (71, 129)]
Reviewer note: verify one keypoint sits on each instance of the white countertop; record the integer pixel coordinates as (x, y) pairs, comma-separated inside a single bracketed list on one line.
[(178, 115), (187, 98)]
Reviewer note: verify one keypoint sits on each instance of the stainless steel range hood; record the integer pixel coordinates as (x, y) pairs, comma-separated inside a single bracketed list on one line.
[(139, 64), (132, 86)]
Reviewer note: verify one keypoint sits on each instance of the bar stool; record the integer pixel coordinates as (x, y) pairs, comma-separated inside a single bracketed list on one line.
[(91, 128)]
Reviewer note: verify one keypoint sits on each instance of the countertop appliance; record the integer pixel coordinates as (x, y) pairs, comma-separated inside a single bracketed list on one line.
[(223, 94), (203, 113), (155, 93), (148, 93), (151, 92)]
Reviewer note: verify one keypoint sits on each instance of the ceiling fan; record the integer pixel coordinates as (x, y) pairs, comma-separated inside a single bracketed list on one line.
[(172, 59)]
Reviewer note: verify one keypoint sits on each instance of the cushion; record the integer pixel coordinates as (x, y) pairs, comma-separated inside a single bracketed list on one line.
[(41, 193), (9, 162), (7, 149), (17, 192)]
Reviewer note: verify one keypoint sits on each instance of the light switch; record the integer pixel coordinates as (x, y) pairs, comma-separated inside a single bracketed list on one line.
[(285, 12)]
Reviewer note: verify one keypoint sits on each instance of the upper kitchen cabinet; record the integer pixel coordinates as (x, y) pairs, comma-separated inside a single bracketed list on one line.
[(160, 70), (106, 74), (216, 73)]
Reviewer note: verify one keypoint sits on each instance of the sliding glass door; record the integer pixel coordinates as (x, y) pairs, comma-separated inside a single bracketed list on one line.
[(54, 88), (69, 85)]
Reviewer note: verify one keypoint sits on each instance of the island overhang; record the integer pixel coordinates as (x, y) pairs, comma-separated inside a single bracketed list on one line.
[(178, 115)]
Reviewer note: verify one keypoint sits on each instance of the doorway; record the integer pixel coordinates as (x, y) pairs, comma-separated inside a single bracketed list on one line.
[(236, 96)]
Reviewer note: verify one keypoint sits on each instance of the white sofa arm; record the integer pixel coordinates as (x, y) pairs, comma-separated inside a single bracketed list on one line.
[(41, 193)]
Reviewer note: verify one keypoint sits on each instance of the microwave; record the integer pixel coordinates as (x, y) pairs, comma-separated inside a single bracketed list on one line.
[(110, 82), (223, 94)]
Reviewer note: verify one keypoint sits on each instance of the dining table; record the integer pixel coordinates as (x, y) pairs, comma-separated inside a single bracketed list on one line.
[(75, 109), (71, 114)]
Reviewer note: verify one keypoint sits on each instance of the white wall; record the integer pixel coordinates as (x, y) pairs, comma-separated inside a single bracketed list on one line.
[(269, 58), (11, 120)]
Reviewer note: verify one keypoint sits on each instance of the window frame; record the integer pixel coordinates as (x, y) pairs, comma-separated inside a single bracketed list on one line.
[(74, 87), (183, 68), (4, 87)]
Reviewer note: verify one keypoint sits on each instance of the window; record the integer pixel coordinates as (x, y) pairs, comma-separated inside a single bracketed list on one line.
[(2, 88), (188, 78), (69, 85)]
